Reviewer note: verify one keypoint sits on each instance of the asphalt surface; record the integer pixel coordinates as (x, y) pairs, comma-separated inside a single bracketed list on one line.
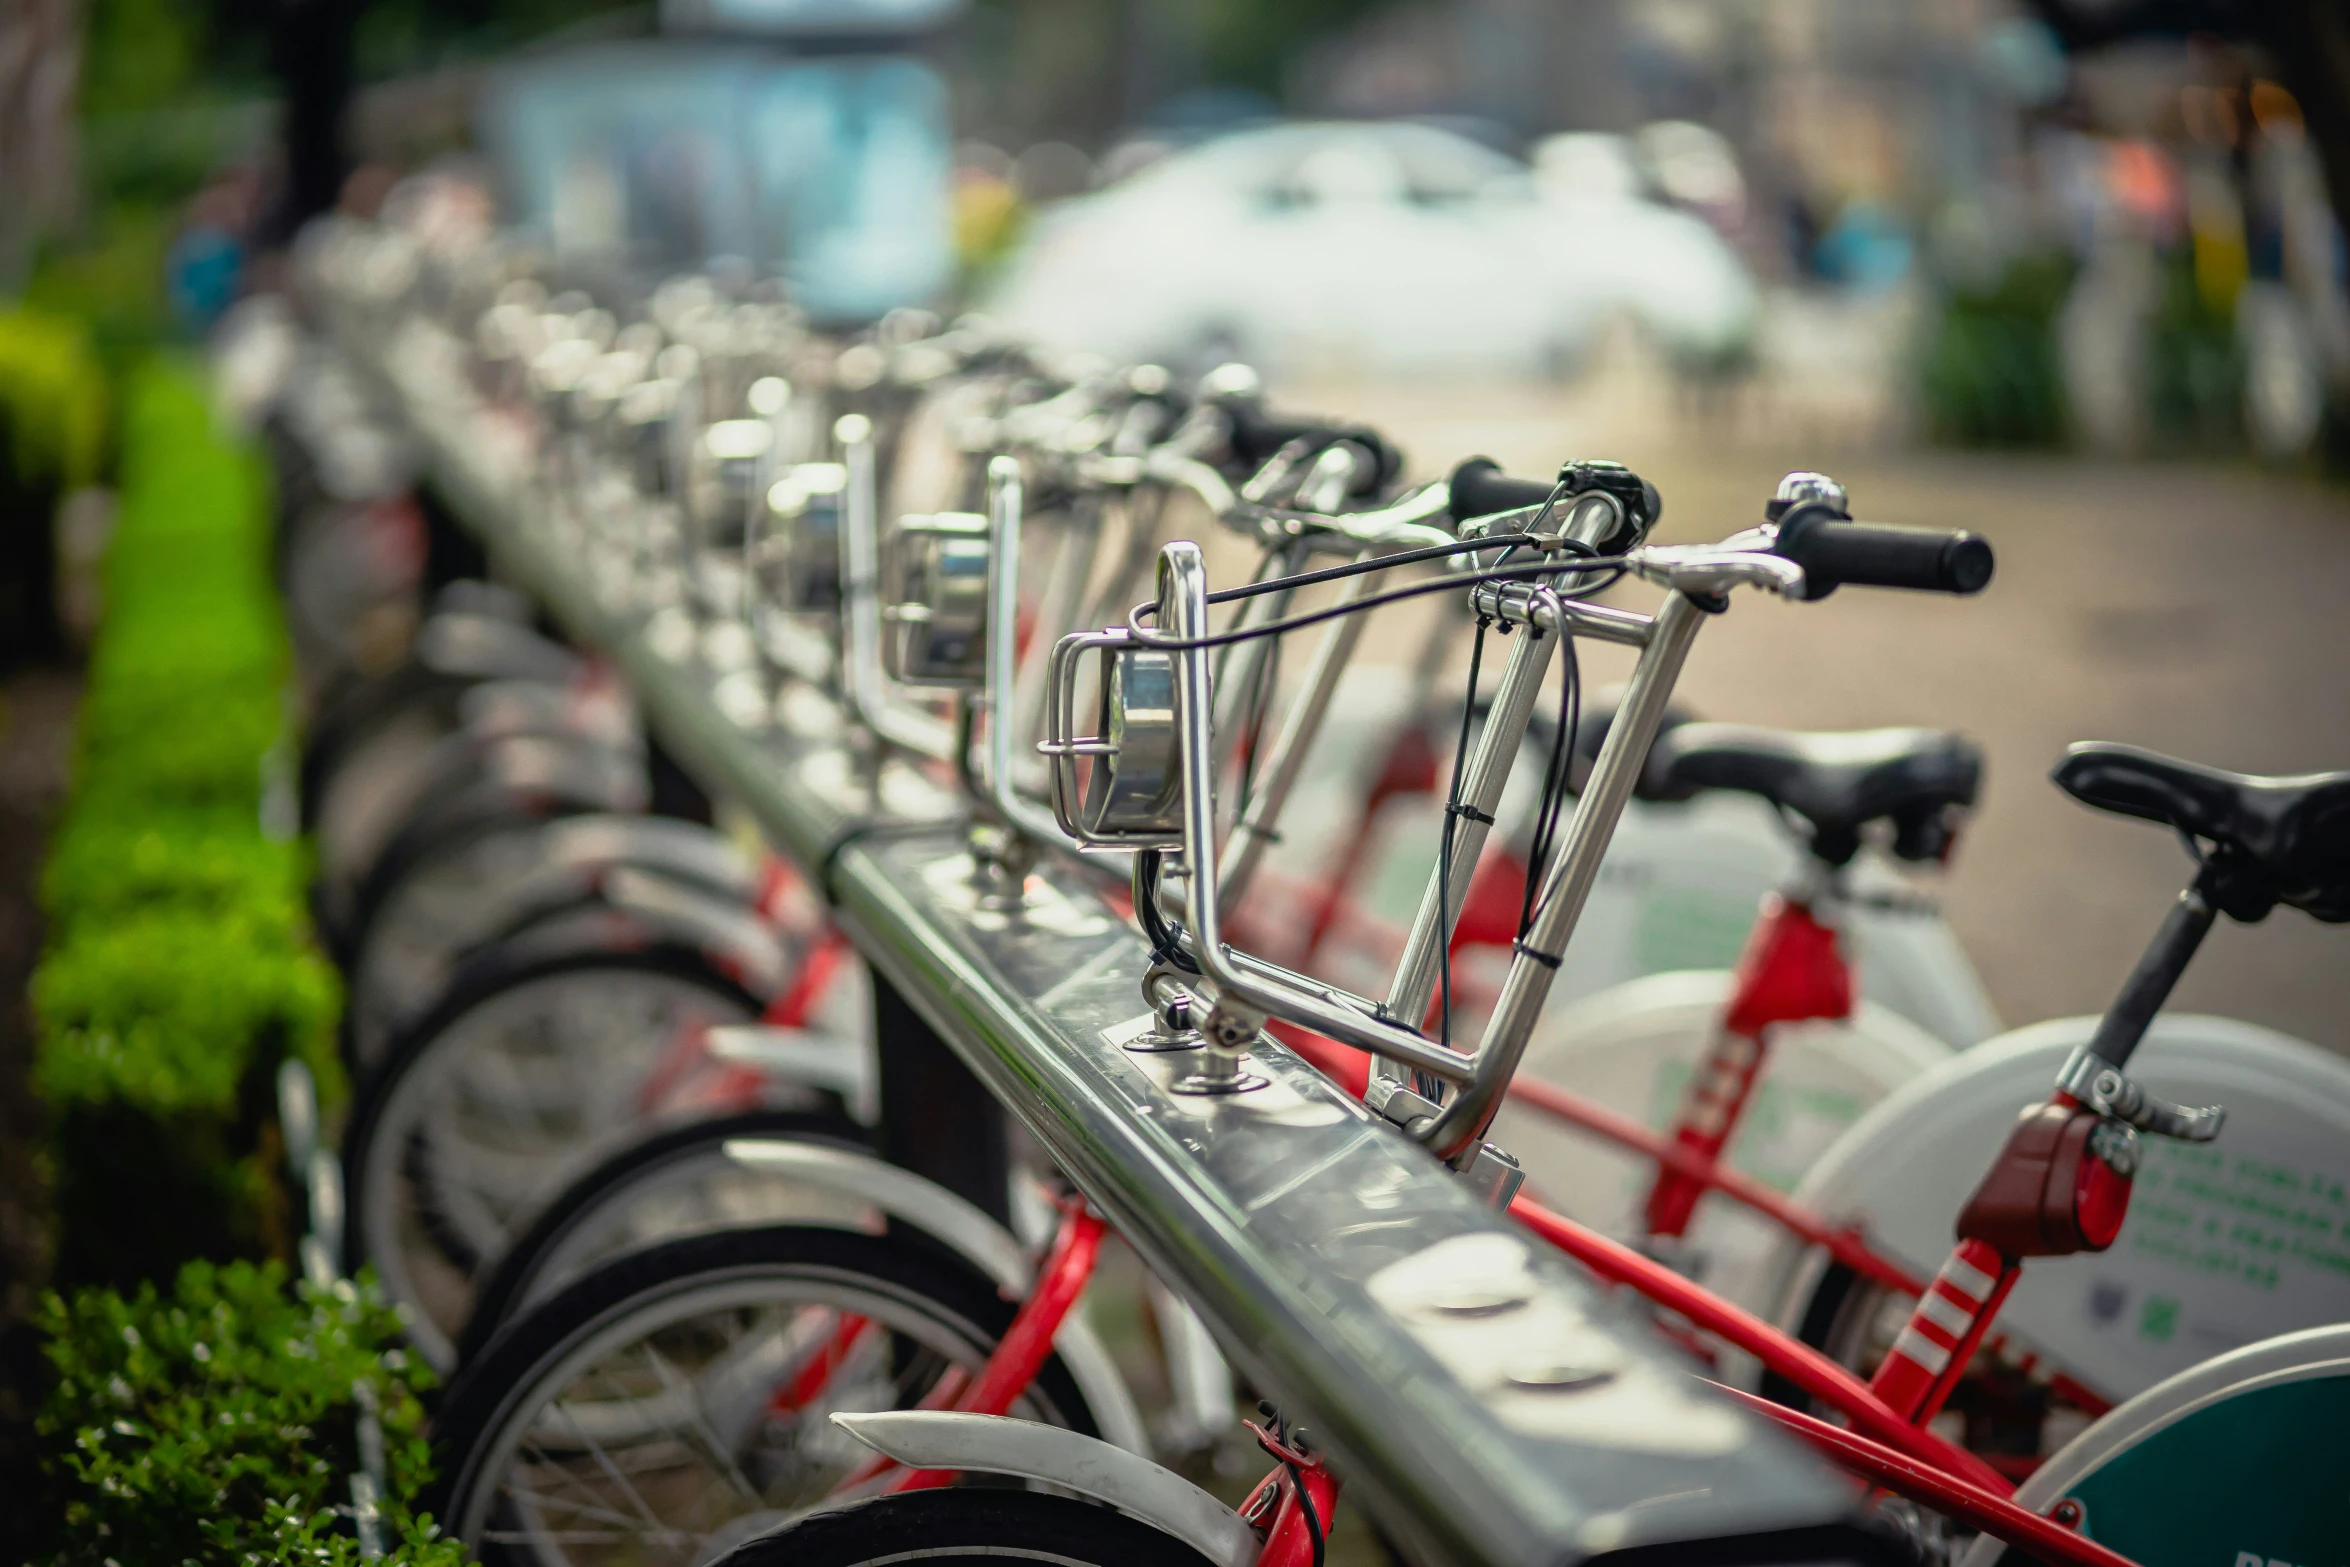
[(2195, 609)]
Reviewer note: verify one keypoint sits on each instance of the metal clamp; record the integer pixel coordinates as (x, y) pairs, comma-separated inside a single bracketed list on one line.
[(2100, 1085)]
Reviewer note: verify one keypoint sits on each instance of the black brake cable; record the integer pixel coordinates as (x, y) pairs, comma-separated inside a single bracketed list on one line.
[(1166, 939), (1357, 568), (1452, 817), (1146, 637), (1555, 778), (1260, 709)]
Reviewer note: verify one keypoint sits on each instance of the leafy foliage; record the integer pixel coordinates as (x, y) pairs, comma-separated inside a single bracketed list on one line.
[(180, 967), (52, 399), (162, 1011), (1990, 374), (218, 1424)]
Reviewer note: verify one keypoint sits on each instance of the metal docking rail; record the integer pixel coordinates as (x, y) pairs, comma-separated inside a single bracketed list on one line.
[(1486, 1404)]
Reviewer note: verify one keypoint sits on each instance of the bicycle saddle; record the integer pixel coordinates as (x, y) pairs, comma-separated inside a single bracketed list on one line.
[(2289, 838), (1837, 782)]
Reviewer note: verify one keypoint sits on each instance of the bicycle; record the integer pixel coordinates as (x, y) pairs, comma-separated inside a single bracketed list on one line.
[(2062, 1184)]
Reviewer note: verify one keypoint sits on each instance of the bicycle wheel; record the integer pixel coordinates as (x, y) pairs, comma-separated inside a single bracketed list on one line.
[(674, 1182), (2241, 1457), (470, 786), (2208, 1257), (1632, 1048), (966, 1527), (676, 1402), (517, 1080), (471, 891)]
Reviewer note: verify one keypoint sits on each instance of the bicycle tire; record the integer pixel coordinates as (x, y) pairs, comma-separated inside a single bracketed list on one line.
[(936, 1313), (467, 892), (966, 1526), (516, 1276), (461, 795), (431, 1053)]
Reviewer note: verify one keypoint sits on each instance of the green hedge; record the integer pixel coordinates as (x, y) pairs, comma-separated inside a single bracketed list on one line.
[(1990, 374), (180, 969), (220, 1424), (52, 398)]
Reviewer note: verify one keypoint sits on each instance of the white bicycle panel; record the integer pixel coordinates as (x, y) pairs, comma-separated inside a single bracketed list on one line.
[(2316, 1354), (2226, 1243), (1632, 1048)]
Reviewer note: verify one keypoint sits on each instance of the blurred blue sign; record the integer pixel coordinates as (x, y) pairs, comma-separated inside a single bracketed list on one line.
[(831, 172)]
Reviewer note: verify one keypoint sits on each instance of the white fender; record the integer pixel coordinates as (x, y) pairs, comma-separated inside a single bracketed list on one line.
[(978, 1239), (1632, 1047), (2226, 1243), (997, 1444)]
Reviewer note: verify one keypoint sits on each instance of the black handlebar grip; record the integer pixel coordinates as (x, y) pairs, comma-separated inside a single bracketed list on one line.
[(1479, 489), (1257, 435), (1832, 552)]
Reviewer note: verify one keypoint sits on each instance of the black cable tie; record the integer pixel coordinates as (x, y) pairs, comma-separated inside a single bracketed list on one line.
[(1545, 959), (1470, 811)]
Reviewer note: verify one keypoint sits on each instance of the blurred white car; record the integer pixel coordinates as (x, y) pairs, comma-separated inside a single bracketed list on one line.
[(1389, 248)]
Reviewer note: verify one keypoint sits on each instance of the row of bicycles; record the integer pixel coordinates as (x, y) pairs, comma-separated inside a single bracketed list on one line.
[(1671, 992)]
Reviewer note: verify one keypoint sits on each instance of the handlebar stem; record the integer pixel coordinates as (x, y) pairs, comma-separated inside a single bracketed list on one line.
[(1490, 763), (1568, 882), (1183, 610), (1006, 495), (866, 683)]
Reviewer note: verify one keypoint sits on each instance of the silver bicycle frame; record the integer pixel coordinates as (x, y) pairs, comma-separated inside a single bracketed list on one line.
[(1455, 1127)]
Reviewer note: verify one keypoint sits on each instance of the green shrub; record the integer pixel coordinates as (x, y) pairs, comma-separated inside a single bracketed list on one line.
[(219, 1424), (110, 864), (166, 1011), (180, 970), (1990, 374), (52, 398)]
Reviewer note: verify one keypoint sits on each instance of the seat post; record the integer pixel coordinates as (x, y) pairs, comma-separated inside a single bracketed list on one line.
[(2159, 967)]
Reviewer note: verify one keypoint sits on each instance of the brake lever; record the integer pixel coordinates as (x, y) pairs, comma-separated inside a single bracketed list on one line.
[(1701, 569), (2100, 1085)]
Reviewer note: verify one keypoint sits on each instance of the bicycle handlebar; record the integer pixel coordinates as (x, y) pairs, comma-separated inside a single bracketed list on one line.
[(1832, 552), (1257, 436), (1479, 489)]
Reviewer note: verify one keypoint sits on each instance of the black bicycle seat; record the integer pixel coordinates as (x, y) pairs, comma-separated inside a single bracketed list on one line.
[(1838, 783), (2288, 837)]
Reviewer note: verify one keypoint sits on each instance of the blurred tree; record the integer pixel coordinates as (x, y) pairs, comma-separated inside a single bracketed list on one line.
[(1252, 44), (2307, 41), (40, 64)]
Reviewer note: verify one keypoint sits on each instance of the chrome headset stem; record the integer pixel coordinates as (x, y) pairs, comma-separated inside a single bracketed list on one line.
[(1006, 495), (1464, 1118), (1240, 981), (864, 681), (1490, 762)]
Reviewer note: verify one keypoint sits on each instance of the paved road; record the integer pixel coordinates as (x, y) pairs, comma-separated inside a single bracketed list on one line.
[(2199, 610)]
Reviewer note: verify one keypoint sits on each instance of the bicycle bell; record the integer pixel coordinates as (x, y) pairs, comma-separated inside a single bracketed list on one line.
[(1131, 797), (935, 573)]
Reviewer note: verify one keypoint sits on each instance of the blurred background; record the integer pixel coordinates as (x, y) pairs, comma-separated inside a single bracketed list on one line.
[(2070, 272)]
